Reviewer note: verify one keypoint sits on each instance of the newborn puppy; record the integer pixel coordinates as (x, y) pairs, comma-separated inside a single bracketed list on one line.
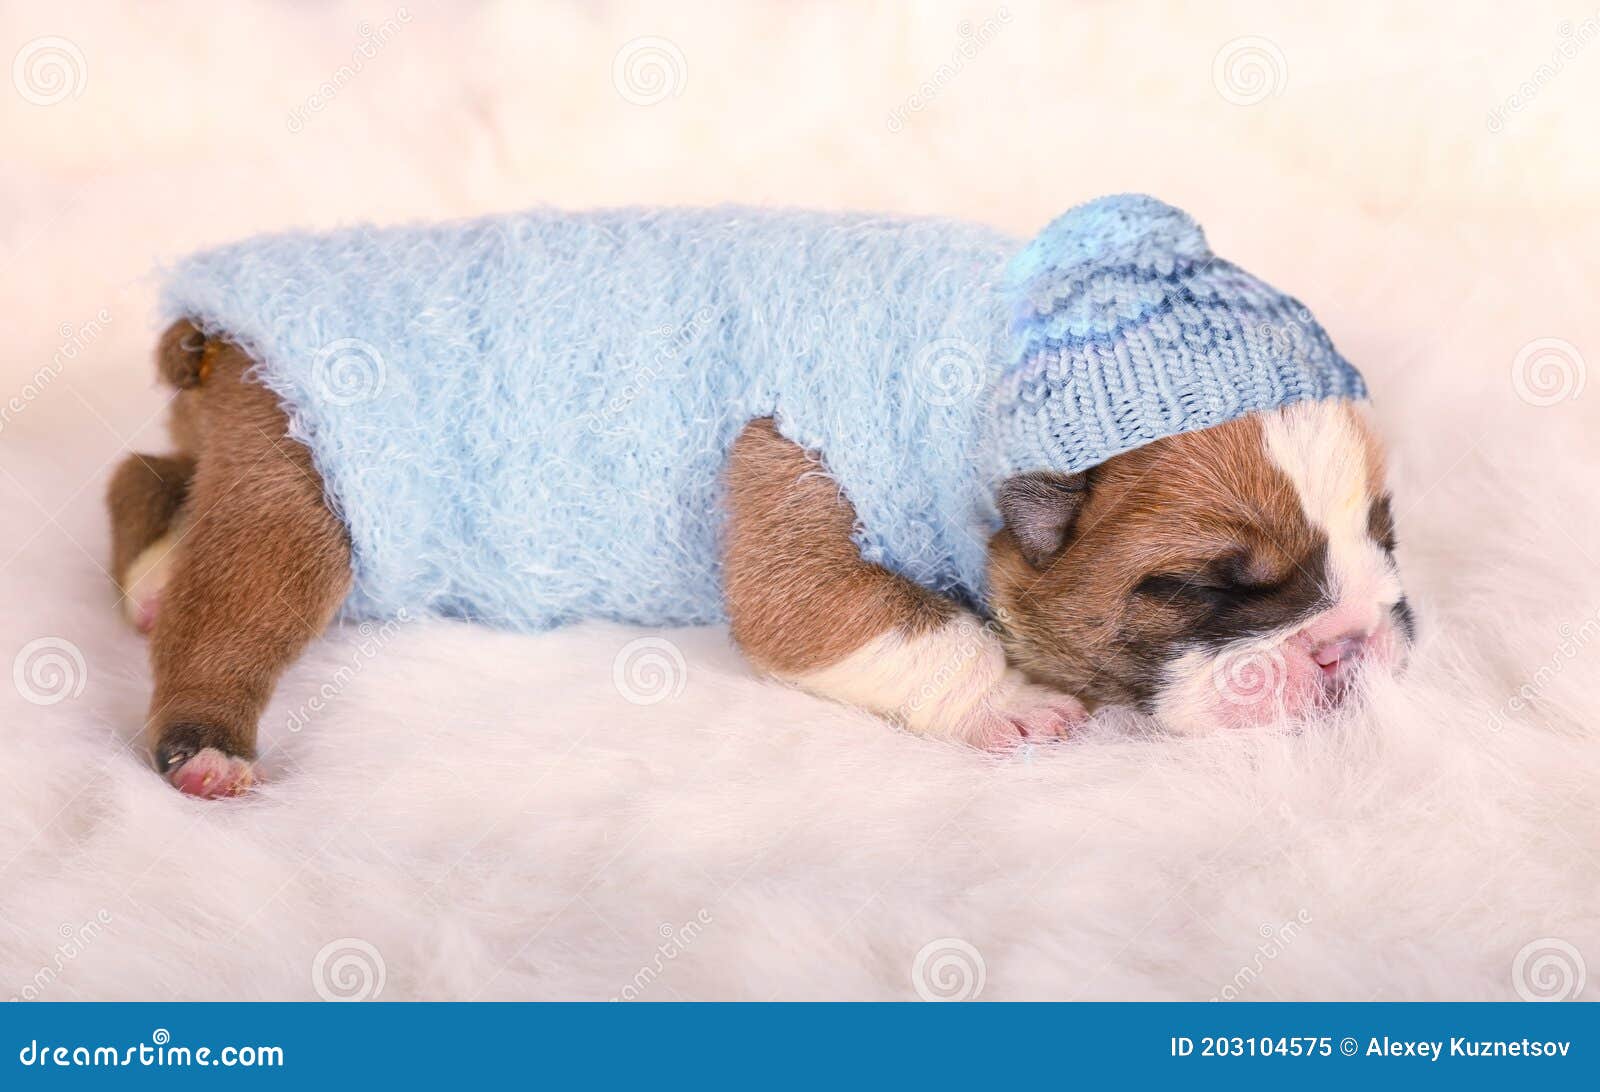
[(1158, 486), (1215, 578)]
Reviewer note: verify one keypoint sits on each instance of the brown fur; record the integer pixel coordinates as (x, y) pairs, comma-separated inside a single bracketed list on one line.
[(144, 497), (799, 595), (263, 567), (1202, 508)]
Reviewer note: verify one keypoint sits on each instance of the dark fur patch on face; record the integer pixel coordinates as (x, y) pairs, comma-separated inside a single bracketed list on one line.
[(1405, 618), (1380, 523), (1193, 541), (1228, 600)]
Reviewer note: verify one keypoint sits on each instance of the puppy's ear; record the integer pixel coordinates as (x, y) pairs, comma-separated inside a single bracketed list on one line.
[(1039, 509)]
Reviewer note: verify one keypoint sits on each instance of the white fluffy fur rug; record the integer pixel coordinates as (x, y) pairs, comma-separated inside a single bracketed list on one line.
[(455, 813)]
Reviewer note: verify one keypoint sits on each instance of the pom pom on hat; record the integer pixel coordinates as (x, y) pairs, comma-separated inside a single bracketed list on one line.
[(1123, 229), (1128, 329)]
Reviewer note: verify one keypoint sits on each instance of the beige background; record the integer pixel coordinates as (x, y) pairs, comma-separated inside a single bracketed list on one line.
[(492, 818)]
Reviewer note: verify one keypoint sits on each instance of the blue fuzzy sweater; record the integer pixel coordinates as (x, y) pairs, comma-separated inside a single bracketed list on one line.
[(523, 419)]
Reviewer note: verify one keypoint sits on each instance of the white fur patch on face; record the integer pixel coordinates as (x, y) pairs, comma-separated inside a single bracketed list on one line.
[(1321, 450), (1247, 683)]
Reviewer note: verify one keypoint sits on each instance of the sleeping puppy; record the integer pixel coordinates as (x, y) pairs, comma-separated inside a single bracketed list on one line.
[(1217, 578), (1218, 551)]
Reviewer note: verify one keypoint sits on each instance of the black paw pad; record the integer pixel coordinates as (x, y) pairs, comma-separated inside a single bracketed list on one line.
[(181, 742)]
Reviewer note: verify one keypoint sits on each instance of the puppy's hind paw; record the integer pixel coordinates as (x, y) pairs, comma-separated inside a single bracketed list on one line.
[(195, 770)]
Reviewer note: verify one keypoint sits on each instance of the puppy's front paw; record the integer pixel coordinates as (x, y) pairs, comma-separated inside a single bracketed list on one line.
[(195, 768), (1020, 710)]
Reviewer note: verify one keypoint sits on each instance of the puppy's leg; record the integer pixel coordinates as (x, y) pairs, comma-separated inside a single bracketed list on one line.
[(263, 566), (806, 608), (146, 501)]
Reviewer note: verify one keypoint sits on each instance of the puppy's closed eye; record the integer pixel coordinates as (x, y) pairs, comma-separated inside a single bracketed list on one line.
[(1232, 578), (1210, 587)]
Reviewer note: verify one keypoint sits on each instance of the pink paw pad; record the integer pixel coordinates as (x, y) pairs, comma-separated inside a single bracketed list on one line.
[(1030, 714), (143, 612), (1050, 721), (210, 774)]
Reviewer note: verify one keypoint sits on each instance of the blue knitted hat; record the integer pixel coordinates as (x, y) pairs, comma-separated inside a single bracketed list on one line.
[(1127, 329)]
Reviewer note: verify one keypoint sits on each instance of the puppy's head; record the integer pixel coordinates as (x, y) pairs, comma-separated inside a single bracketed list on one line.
[(1215, 578)]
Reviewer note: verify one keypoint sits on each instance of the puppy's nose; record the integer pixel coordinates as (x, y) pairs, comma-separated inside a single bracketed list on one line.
[(1331, 655)]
